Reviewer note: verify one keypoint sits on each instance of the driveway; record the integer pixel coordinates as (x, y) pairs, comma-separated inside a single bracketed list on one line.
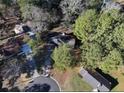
[(41, 80)]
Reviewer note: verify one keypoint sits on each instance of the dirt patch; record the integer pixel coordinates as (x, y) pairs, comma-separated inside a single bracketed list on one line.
[(61, 76)]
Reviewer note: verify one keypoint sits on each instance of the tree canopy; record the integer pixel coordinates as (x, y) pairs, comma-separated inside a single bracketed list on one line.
[(40, 12), (112, 62), (85, 25), (6, 2), (102, 38), (91, 54), (62, 57), (118, 35)]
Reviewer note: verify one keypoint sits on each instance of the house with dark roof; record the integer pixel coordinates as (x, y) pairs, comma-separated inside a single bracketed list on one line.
[(96, 80)]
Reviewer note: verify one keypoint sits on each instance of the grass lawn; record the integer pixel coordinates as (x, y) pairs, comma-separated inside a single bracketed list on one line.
[(78, 84), (120, 77)]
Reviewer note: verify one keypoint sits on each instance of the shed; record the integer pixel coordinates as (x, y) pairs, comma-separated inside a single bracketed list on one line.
[(96, 80)]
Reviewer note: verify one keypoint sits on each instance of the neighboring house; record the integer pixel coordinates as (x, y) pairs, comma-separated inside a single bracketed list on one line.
[(18, 29), (58, 40), (96, 80), (21, 28), (25, 48), (62, 29)]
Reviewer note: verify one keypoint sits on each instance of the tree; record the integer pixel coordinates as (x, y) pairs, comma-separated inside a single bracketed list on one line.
[(85, 25), (102, 43), (92, 26), (107, 22), (62, 57), (6, 2), (119, 36), (71, 9), (91, 54), (94, 4), (41, 17), (32, 43), (112, 61), (46, 4)]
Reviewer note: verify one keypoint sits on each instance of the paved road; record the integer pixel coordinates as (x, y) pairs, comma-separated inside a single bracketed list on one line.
[(54, 87)]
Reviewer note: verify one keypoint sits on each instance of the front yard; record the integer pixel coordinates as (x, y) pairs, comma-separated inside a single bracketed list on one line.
[(71, 81)]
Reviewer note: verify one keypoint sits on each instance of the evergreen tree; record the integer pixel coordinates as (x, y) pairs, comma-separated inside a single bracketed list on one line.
[(112, 62), (85, 25), (91, 54), (62, 57)]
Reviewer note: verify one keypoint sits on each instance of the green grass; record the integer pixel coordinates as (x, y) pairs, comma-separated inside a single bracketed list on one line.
[(78, 84)]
